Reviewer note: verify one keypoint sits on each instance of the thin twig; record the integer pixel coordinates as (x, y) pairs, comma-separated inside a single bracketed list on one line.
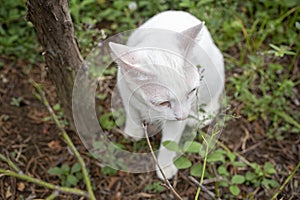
[(10, 163), (156, 162), (243, 159), (208, 143), (43, 183), (211, 194), (203, 169), (286, 181), (52, 196), (67, 139)]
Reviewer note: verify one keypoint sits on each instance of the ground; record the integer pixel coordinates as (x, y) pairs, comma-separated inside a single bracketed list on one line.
[(35, 145)]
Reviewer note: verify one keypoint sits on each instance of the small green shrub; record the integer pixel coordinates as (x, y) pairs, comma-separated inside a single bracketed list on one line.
[(155, 187), (16, 101), (59, 114), (17, 36), (224, 160), (68, 176)]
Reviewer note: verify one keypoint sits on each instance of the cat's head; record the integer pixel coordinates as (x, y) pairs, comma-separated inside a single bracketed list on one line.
[(162, 79)]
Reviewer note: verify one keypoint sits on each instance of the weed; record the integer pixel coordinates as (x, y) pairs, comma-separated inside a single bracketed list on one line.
[(68, 176), (60, 115), (108, 171), (155, 187), (225, 161), (17, 37), (16, 101), (6, 118)]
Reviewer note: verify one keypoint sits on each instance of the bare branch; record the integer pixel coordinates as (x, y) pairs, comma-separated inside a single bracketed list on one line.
[(156, 162)]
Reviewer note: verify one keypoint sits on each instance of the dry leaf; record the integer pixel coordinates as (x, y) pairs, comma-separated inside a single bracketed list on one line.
[(8, 193), (112, 183), (54, 145), (21, 186)]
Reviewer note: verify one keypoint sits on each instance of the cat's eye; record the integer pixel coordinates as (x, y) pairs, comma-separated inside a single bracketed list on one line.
[(165, 104)]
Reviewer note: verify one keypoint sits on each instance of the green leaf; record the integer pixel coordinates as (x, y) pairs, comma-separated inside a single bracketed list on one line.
[(72, 180), (196, 170), (106, 121), (223, 171), (65, 168), (238, 164), (297, 25), (250, 176), (75, 168), (269, 168), (224, 183), (286, 117), (56, 107), (47, 118), (55, 171), (231, 156), (182, 163), (79, 175), (269, 183), (237, 179), (235, 190), (108, 171), (155, 187), (116, 145), (216, 156), (171, 145), (192, 147), (257, 169)]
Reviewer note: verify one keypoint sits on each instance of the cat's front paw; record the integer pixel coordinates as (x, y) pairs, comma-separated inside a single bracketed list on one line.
[(170, 171), (137, 133)]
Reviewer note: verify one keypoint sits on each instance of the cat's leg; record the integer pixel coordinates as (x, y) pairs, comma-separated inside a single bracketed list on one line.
[(172, 130), (133, 124)]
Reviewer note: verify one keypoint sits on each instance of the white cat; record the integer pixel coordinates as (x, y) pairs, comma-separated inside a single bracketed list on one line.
[(158, 79)]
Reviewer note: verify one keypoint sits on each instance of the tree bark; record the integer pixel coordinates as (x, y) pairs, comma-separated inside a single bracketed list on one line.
[(55, 33)]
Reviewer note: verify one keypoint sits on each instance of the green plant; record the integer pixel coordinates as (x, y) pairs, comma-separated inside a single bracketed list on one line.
[(105, 151), (108, 171), (261, 175), (16, 101), (113, 119), (281, 51), (155, 187), (265, 85), (225, 161), (6, 118), (68, 176), (60, 115), (17, 37), (268, 96), (86, 177)]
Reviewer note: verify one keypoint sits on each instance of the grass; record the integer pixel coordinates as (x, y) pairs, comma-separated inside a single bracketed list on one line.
[(261, 44)]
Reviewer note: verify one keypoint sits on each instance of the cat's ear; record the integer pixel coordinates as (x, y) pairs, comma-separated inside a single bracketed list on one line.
[(190, 34), (120, 54), (127, 58)]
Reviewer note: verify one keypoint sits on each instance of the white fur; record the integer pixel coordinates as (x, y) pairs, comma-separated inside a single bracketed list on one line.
[(158, 66)]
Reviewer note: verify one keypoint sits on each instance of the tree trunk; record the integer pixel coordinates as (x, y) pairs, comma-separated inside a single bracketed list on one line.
[(55, 33)]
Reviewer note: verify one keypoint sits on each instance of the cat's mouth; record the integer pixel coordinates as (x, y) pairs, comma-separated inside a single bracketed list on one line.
[(180, 118)]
